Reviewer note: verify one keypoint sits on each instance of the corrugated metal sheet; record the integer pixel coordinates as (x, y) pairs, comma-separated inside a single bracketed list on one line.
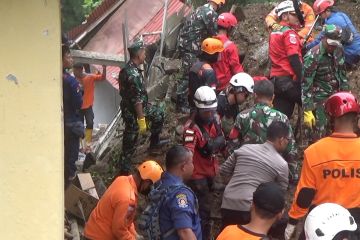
[(93, 17), (109, 38)]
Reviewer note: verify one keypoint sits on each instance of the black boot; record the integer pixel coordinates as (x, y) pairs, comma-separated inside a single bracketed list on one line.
[(156, 142)]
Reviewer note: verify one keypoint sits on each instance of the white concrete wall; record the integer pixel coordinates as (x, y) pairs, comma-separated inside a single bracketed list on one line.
[(106, 103), (31, 129)]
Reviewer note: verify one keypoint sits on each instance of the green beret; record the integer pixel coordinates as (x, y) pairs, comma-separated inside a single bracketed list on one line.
[(333, 32), (136, 46)]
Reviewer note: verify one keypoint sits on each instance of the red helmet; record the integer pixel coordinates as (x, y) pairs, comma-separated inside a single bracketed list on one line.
[(320, 6), (340, 103), (227, 20)]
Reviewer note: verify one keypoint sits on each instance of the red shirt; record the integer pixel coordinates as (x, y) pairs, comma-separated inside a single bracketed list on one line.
[(228, 63), (194, 139), (88, 83), (282, 44)]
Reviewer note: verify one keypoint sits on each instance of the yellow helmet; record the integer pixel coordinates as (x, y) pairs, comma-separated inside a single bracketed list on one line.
[(150, 170), (212, 46), (218, 2)]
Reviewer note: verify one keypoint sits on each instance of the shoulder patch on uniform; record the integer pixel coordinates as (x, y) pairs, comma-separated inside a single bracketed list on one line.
[(292, 38), (181, 200), (189, 138), (189, 131)]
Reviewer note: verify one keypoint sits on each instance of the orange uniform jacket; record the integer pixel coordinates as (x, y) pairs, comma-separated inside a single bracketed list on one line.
[(113, 217), (88, 82), (330, 173), (308, 14), (238, 232)]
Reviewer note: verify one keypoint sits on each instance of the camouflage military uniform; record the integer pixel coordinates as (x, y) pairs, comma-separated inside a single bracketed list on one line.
[(252, 125), (200, 25), (324, 75), (132, 91)]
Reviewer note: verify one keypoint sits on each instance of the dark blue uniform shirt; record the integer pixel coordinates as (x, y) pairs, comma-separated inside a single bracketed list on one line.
[(352, 50), (72, 98), (180, 210)]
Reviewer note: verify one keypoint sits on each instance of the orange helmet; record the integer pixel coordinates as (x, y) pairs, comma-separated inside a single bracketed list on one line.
[(218, 2), (150, 170), (320, 6), (212, 46)]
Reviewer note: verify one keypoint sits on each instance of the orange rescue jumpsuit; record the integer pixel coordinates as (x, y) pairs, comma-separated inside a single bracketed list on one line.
[(239, 232), (113, 217), (309, 18), (330, 173)]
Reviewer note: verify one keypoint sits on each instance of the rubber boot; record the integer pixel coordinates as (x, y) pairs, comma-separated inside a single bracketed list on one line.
[(156, 142), (88, 138)]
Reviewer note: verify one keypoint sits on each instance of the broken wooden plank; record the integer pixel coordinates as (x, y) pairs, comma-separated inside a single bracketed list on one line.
[(97, 58)]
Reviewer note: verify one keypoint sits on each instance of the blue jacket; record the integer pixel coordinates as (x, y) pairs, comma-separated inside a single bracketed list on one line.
[(352, 50), (180, 210), (72, 98)]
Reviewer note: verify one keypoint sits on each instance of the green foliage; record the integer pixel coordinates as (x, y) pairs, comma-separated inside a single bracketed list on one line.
[(90, 5), (74, 12)]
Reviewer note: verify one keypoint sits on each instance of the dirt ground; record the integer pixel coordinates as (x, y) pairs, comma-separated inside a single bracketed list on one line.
[(251, 37)]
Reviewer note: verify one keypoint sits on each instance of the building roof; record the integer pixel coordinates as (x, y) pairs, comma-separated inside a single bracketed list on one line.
[(142, 17)]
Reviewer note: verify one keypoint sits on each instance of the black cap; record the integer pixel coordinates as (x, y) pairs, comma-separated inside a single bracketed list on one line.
[(269, 196)]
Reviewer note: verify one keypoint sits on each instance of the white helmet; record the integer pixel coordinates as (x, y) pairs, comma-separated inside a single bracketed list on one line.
[(285, 6), (205, 98), (242, 80), (327, 220)]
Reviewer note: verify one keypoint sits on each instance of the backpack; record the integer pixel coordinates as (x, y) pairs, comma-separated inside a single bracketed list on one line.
[(149, 222)]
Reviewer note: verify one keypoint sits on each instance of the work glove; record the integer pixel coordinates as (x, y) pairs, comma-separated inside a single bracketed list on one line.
[(276, 27), (309, 119), (219, 143), (289, 231), (142, 125)]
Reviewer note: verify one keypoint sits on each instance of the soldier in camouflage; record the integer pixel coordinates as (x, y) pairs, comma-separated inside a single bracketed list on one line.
[(201, 24), (251, 125), (137, 113), (324, 75)]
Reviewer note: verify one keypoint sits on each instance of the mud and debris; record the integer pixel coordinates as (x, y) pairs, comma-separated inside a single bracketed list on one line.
[(251, 36)]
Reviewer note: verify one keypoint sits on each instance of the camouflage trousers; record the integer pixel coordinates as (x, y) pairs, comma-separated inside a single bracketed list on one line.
[(154, 119), (203, 191), (182, 90), (322, 126)]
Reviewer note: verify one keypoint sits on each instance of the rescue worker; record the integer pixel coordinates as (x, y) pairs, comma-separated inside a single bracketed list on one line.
[(248, 167), (137, 113), (228, 63), (286, 60), (180, 210), (203, 136), (351, 37), (201, 24), (330, 221), (113, 217), (324, 75), (251, 125), (240, 87), (73, 127), (267, 207), (272, 20), (87, 81), (201, 73), (331, 167)]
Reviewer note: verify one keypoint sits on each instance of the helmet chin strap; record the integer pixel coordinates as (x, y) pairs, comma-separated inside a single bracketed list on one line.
[(298, 12)]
